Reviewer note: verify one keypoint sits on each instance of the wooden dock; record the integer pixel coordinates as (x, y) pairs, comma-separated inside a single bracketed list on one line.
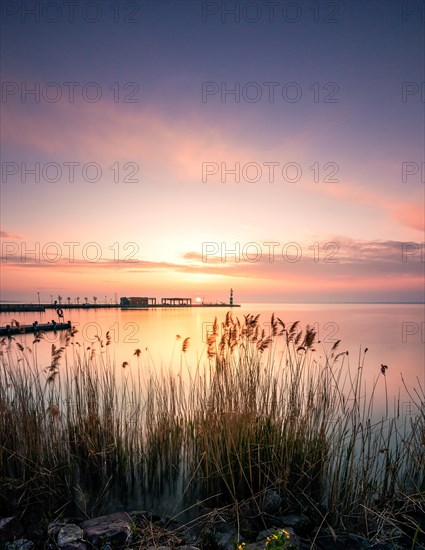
[(16, 328), (15, 308), (5, 308)]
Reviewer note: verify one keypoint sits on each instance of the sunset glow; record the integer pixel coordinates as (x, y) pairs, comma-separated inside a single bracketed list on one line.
[(183, 154)]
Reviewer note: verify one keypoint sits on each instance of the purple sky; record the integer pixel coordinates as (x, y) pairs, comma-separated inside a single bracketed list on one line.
[(166, 144)]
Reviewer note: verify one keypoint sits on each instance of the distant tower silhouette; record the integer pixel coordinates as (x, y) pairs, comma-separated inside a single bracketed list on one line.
[(231, 296)]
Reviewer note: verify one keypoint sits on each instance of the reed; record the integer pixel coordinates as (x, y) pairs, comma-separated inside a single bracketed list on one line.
[(259, 411)]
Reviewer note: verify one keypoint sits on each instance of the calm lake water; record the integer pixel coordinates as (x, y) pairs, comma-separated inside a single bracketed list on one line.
[(393, 334)]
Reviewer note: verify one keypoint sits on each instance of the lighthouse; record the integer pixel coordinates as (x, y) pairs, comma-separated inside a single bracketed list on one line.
[(231, 297)]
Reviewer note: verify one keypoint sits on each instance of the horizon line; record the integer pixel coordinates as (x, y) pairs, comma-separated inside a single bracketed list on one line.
[(275, 302)]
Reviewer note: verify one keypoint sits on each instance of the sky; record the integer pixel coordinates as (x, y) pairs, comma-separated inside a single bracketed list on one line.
[(183, 148)]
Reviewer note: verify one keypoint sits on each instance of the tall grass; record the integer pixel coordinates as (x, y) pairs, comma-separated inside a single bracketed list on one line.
[(258, 411)]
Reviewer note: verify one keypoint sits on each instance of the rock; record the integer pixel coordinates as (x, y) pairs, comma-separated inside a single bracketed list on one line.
[(226, 539), (301, 523), (271, 503), (188, 547), (54, 527), (20, 544), (114, 528), (69, 537), (10, 528)]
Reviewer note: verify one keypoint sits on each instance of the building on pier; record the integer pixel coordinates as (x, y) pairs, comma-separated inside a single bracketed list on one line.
[(138, 301)]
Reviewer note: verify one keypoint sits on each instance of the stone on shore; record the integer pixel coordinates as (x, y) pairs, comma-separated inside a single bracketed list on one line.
[(20, 544), (10, 528), (114, 528), (70, 537)]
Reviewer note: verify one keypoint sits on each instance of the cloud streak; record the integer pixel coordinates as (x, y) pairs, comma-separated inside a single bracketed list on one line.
[(8, 235), (340, 258), (172, 150)]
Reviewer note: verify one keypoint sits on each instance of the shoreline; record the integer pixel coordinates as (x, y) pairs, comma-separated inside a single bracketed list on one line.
[(31, 308)]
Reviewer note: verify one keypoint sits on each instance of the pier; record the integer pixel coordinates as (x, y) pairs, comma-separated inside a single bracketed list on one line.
[(145, 302), (177, 305), (12, 308), (17, 328), (134, 302), (21, 307), (150, 303)]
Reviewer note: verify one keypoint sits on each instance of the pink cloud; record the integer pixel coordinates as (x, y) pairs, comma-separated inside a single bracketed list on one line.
[(172, 148), (7, 235), (107, 133), (410, 214), (348, 260)]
